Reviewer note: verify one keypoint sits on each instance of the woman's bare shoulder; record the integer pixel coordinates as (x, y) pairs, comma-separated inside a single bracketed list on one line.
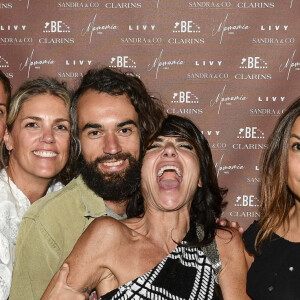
[(105, 229)]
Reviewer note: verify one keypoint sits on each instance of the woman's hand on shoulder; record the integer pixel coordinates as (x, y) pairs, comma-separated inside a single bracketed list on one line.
[(233, 274)]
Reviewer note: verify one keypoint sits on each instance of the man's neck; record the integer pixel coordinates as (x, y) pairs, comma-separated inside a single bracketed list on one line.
[(117, 207)]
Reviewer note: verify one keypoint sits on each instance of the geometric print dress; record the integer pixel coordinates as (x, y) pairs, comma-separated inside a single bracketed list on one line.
[(186, 273)]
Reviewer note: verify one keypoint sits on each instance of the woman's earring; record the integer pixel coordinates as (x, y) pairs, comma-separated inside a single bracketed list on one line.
[(9, 150)]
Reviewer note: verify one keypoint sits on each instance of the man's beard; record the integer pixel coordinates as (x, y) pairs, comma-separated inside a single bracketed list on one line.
[(113, 186)]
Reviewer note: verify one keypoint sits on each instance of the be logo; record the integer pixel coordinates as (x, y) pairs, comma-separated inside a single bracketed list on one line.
[(184, 97), (186, 27), (122, 62), (246, 200), (56, 27), (253, 62), (3, 62), (250, 133)]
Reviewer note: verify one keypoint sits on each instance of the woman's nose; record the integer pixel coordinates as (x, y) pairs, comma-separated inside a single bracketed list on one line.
[(47, 135), (169, 151)]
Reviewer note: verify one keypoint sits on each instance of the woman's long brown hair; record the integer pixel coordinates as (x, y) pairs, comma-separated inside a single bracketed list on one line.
[(276, 199)]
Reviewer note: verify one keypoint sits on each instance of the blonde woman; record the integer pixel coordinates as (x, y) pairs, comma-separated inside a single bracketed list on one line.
[(34, 159), (273, 243)]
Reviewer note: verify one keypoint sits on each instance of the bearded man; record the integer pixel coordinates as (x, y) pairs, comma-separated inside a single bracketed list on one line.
[(113, 116)]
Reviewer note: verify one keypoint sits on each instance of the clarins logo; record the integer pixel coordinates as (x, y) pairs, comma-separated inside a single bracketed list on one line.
[(256, 5), (229, 29), (122, 62), (185, 111), (184, 97), (121, 5), (6, 5), (186, 27), (100, 29), (245, 214)]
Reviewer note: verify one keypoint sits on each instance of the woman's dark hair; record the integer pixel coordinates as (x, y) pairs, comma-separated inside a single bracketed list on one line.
[(207, 203)]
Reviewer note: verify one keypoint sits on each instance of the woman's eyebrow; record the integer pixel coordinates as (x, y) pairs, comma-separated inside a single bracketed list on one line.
[(295, 136)]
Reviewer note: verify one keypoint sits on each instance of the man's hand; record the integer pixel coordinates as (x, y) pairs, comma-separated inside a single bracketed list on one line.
[(226, 223), (61, 290)]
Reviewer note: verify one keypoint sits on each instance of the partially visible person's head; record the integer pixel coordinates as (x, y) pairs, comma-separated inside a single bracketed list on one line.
[(5, 94), (114, 114), (38, 139), (280, 172), (207, 197)]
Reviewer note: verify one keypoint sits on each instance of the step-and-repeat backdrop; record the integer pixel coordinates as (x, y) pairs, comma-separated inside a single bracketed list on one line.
[(230, 66)]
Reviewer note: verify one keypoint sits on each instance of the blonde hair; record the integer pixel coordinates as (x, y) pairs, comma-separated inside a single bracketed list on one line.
[(26, 91)]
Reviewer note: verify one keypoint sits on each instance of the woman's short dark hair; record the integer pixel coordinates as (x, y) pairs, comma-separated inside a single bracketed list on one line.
[(207, 203)]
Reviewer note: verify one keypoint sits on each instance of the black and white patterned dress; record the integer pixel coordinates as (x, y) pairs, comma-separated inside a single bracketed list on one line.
[(186, 273)]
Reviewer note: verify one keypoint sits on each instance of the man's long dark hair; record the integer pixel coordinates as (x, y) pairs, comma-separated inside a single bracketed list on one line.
[(207, 203), (116, 82)]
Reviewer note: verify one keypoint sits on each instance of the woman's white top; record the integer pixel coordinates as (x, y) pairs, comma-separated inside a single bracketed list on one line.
[(13, 205)]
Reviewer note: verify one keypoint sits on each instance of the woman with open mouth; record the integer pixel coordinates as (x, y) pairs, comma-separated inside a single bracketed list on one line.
[(34, 159), (171, 246)]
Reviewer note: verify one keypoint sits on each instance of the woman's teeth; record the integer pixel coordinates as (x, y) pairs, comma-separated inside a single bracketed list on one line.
[(161, 171), (45, 153)]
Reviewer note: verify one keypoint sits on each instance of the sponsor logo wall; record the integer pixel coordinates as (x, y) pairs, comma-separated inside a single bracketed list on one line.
[(231, 66)]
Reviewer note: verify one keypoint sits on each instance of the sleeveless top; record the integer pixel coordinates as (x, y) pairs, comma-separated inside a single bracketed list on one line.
[(275, 272), (186, 273)]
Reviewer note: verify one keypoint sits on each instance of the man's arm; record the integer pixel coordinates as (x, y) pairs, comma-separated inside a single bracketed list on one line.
[(36, 261)]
